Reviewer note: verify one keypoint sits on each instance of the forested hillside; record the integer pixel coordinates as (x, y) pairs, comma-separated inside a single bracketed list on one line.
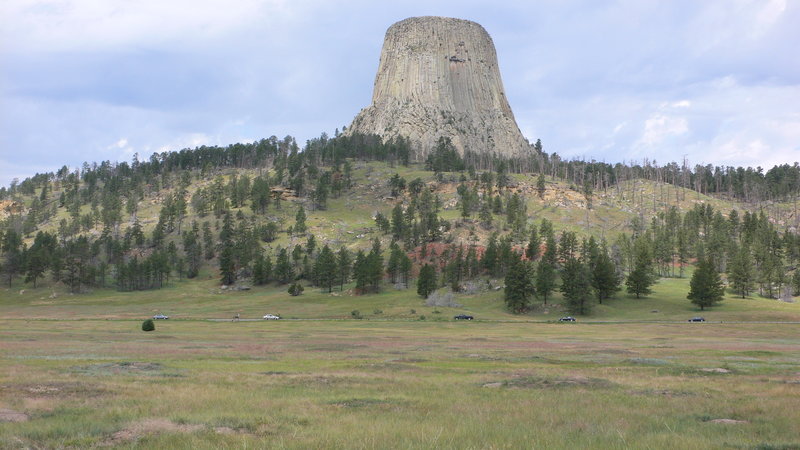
[(352, 209)]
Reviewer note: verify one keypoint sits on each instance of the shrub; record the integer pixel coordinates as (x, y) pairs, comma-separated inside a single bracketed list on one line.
[(377, 312), (356, 314), (148, 325), (295, 289)]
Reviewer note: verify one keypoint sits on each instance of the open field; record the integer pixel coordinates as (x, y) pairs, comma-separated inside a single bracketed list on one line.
[(77, 371), (388, 384), (203, 299)]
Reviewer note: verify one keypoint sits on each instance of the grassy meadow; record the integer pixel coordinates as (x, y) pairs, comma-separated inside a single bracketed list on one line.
[(78, 372)]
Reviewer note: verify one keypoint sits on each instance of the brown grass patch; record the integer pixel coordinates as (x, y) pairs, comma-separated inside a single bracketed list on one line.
[(538, 382), (9, 415), (53, 390), (137, 430)]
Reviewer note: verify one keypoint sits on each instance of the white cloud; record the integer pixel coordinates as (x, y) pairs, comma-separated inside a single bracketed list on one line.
[(682, 104), (63, 25), (660, 127)]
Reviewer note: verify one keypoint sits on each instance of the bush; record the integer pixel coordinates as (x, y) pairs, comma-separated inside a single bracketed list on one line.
[(295, 289), (377, 312), (356, 314), (148, 325)]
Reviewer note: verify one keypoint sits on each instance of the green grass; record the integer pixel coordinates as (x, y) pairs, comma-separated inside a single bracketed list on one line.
[(382, 384), (202, 299)]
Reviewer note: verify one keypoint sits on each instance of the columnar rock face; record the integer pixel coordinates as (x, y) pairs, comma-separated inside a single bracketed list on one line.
[(439, 77)]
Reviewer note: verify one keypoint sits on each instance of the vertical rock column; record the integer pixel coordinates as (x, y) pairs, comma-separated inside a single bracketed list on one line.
[(439, 77)]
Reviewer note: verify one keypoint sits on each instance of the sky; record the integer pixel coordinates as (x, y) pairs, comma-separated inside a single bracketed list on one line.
[(714, 81)]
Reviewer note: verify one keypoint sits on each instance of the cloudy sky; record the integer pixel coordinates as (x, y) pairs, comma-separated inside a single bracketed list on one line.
[(717, 81)]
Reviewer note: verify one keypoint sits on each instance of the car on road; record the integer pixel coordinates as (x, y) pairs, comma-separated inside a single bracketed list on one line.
[(463, 317), (271, 317), (567, 319), (160, 317), (697, 319)]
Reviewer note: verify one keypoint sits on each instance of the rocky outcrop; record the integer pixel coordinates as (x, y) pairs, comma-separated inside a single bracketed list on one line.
[(439, 77)]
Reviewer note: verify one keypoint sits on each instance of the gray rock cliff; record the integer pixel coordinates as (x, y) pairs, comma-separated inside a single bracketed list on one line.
[(439, 77)]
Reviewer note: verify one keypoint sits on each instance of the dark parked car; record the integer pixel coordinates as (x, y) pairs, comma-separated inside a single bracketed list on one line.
[(463, 317), (567, 319), (697, 319), (160, 316)]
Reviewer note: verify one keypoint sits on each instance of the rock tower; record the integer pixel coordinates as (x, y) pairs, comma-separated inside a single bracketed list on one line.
[(439, 77)]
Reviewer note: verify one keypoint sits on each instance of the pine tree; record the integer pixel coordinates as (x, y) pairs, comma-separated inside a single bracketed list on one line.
[(193, 250), (518, 286), (546, 270), (540, 186), (491, 256), (426, 283), (343, 263), (641, 277), (398, 227), (261, 270), (740, 272), (705, 288), (283, 270), (325, 268), (227, 256), (300, 221), (532, 250), (374, 266), (576, 286), (405, 269), (604, 278), (14, 263)]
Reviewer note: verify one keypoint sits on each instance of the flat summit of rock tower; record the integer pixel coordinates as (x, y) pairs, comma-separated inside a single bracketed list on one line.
[(438, 77)]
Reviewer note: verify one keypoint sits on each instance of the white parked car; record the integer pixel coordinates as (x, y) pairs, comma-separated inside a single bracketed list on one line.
[(271, 317)]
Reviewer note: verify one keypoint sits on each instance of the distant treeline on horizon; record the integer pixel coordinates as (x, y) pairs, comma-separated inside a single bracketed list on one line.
[(744, 184)]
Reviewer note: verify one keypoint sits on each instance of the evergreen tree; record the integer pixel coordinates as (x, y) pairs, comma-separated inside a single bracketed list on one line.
[(37, 258), (393, 265), (540, 186), (325, 268), (261, 270), (576, 286), (12, 247), (491, 256), (361, 272), (705, 288), (641, 277), (604, 278), (343, 265), (532, 250), (300, 221), (283, 270), (227, 255), (208, 240), (426, 283), (405, 269), (193, 250), (398, 226), (546, 270), (374, 266), (740, 272), (518, 286)]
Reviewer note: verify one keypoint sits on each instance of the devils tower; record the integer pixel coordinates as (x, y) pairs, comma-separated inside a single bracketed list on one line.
[(439, 77)]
